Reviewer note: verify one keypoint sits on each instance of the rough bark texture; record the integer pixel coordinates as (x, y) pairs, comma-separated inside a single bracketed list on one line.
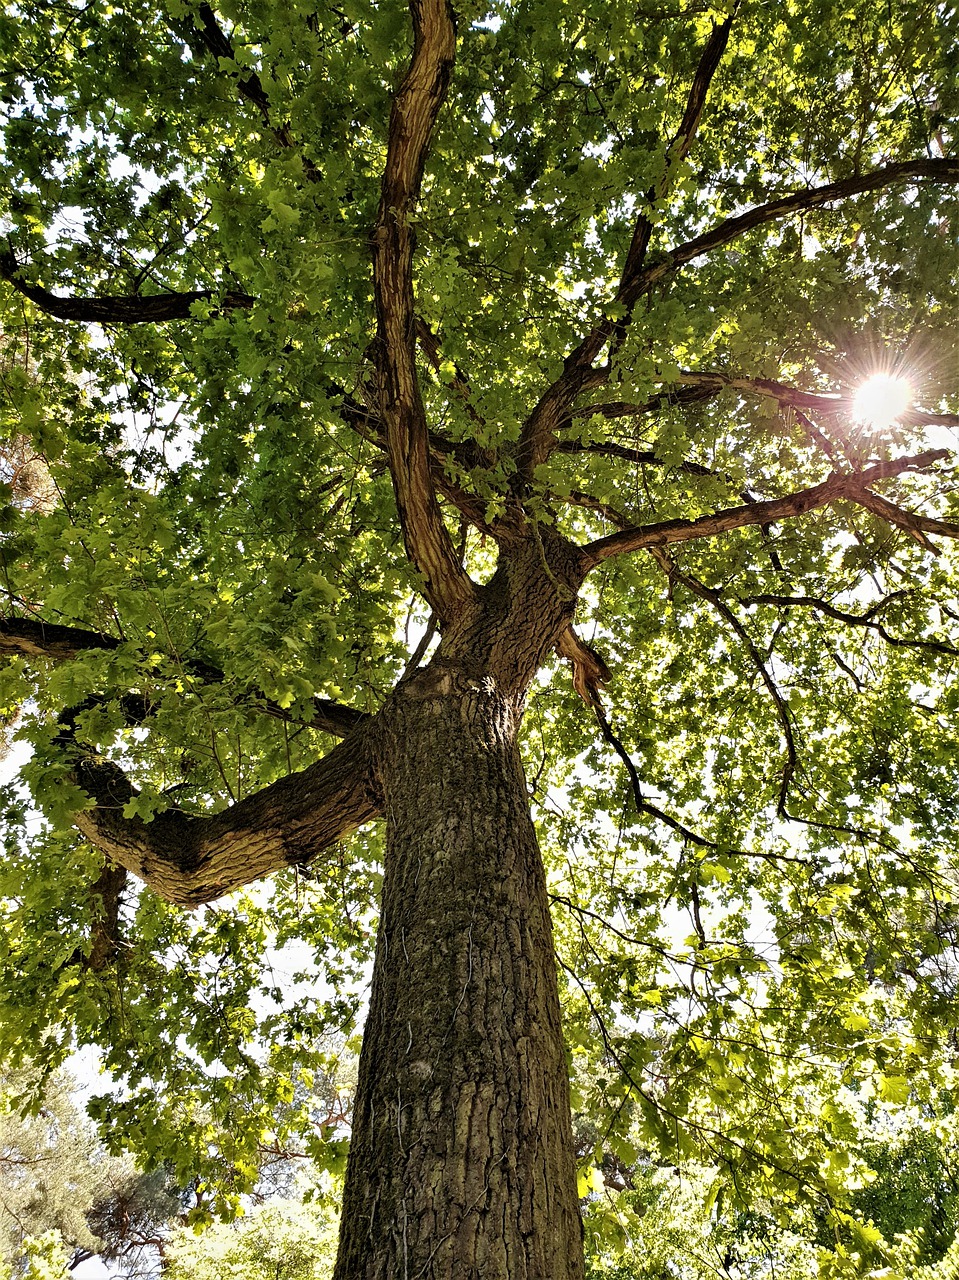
[(191, 860), (461, 1165)]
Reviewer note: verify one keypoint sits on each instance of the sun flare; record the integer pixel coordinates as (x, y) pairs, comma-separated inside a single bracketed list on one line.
[(882, 400)]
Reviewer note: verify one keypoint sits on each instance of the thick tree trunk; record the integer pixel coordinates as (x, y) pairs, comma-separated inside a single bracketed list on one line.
[(461, 1165)]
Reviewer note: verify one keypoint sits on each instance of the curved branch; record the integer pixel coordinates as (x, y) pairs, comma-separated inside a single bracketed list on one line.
[(641, 457), (945, 170), (641, 804), (430, 344), (696, 393), (850, 485), (415, 109), (915, 525), (867, 619), (782, 709), (697, 387), (192, 860), (120, 308), (249, 84)]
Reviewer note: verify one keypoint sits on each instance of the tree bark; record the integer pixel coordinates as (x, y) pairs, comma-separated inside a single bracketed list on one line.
[(461, 1164)]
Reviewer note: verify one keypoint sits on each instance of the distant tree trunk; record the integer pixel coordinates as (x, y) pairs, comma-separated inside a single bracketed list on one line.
[(461, 1165)]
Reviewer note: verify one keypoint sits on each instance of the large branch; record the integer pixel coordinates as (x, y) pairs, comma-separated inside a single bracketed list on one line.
[(945, 170), (678, 149), (191, 860), (695, 387), (30, 638), (120, 308), (579, 372), (412, 119), (851, 486), (538, 434)]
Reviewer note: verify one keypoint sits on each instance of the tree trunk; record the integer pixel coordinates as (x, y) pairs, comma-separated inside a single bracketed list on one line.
[(461, 1165)]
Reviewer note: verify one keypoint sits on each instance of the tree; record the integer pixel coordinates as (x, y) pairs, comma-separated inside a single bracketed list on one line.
[(61, 1192), (376, 356), (49, 1174), (283, 1240)]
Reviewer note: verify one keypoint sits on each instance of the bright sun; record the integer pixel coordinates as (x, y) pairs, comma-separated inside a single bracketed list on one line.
[(881, 400)]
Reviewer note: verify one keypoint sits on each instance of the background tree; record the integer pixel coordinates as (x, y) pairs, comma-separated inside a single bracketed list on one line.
[(282, 1240), (374, 357), (58, 1184)]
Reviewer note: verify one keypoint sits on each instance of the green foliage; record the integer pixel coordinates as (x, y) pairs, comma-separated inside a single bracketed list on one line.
[(63, 1198), (745, 980), (281, 1240)]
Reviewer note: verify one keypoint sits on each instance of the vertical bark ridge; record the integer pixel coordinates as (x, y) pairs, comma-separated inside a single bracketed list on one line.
[(461, 1162)]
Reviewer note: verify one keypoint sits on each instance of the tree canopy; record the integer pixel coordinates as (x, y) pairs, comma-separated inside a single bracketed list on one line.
[(354, 353)]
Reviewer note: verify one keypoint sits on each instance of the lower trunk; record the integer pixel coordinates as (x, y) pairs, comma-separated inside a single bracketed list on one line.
[(461, 1164)]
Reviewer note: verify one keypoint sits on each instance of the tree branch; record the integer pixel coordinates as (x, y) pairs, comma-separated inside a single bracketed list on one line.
[(612, 409), (30, 638), (944, 170), (578, 371), (795, 398), (430, 344), (697, 387), (867, 619), (678, 149), (839, 485), (120, 308), (192, 860), (106, 893), (641, 457), (782, 710), (249, 84), (915, 525), (415, 108), (590, 672), (536, 440), (215, 39)]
